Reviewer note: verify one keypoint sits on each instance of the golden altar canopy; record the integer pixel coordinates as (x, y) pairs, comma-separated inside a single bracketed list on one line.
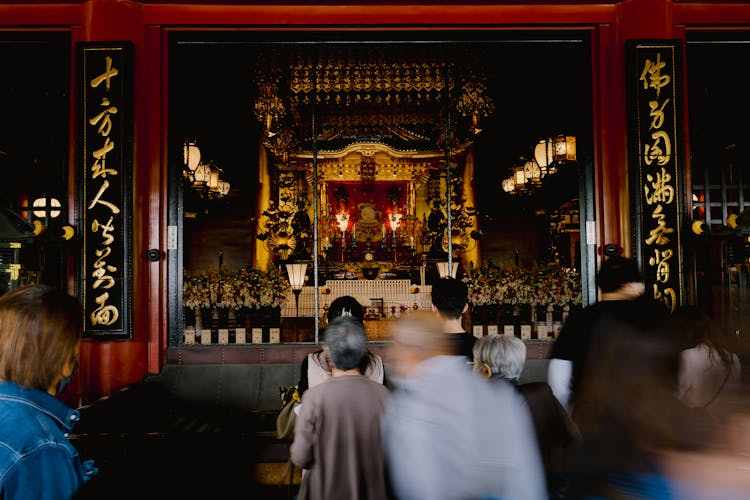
[(373, 118)]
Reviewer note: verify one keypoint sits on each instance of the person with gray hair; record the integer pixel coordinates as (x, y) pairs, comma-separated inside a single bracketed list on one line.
[(501, 358), (337, 438), (346, 344)]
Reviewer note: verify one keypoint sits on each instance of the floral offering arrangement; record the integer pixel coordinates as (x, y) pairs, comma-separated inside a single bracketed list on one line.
[(544, 284), (224, 288)]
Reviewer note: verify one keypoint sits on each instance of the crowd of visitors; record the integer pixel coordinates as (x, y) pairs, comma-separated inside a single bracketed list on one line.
[(639, 395), (639, 383), (639, 403)]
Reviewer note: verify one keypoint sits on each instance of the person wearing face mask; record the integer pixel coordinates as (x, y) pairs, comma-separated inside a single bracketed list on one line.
[(40, 330)]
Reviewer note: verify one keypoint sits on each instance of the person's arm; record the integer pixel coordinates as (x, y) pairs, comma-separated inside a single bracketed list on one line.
[(302, 449), (54, 464), (559, 375)]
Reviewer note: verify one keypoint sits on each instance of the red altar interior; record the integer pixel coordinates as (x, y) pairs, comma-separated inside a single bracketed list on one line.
[(385, 196)]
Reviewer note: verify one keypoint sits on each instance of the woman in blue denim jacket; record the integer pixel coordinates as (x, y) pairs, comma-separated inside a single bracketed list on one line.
[(40, 330)]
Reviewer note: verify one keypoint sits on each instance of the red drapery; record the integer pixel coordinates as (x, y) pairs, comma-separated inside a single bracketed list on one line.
[(385, 196)]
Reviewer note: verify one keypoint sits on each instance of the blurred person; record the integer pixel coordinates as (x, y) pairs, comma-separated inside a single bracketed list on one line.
[(449, 434), (337, 436), (501, 358), (716, 462), (622, 299), (629, 416), (316, 367), (40, 329), (710, 372), (450, 300)]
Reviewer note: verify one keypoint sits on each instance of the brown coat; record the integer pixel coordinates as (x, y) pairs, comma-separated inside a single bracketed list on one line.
[(337, 437)]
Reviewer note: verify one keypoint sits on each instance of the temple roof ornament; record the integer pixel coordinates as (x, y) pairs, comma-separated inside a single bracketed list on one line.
[(400, 96)]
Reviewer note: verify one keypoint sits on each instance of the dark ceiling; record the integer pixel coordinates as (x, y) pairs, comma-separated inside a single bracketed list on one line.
[(34, 105), (540, 85)]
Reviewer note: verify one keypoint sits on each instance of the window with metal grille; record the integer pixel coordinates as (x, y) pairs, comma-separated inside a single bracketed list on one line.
[(720, 190)]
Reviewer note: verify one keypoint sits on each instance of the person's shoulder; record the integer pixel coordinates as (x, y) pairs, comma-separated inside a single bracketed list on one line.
[(375, 387), (317, 357), (538, 393), (642, 312), (502, 396), (23, 428), (536, 386), (498, 386), (700, 354), (466, 337), (315, 391), (357, 383), (601, 307)]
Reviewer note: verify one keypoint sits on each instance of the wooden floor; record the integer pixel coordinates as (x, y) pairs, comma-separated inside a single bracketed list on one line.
[(274, 479)]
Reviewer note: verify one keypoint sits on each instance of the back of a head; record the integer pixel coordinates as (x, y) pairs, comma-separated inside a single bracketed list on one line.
[(346, 341), (346, 306), (504, 354), (421, 331), (616, 272), (40, 328), (449, 296)]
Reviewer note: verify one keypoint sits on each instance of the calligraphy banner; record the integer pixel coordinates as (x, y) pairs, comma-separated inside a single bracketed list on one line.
[(656, 163), (105, 111)]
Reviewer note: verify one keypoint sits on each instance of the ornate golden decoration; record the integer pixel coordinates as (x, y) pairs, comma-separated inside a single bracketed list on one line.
[(395, 91), (380, 114)]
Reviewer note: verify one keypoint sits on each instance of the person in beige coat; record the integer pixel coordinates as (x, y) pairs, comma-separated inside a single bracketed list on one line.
[(337, 438)]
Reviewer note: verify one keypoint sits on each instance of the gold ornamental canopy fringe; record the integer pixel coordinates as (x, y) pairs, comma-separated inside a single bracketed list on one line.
[(402, 91)]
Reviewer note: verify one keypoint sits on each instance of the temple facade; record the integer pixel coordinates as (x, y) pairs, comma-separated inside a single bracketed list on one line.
[(166, 161)]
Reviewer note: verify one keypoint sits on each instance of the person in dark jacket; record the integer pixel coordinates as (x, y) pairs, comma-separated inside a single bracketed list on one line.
[(622, 302), (450, 300)]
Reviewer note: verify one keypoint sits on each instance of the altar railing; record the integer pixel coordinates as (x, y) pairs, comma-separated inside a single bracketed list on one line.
[(392, 295)]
